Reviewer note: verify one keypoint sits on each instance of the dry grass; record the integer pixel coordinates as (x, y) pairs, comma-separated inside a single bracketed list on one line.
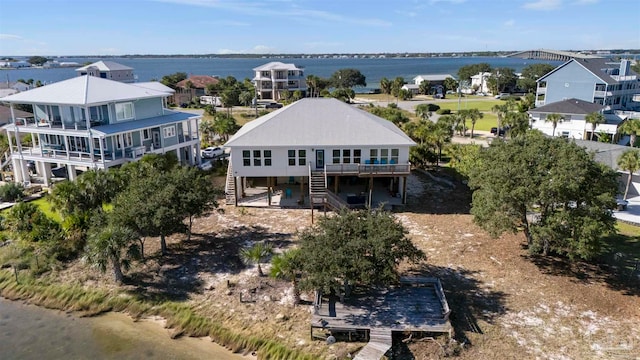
[(505, 303)]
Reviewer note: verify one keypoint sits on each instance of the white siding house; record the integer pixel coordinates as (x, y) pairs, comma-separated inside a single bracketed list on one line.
[(320, 136)]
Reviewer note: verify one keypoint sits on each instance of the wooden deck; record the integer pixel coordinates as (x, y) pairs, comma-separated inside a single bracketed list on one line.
[(380, 342), (417, 304)]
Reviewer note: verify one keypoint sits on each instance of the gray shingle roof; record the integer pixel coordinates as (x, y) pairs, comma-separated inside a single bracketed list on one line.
[(570, 106), (319, 122), (276, 65)]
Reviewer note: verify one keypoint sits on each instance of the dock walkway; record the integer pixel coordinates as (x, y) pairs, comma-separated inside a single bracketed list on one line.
[(379, 343)]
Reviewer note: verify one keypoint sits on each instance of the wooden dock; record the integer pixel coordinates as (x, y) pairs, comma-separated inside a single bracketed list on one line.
[(380, 342), (417, 305)]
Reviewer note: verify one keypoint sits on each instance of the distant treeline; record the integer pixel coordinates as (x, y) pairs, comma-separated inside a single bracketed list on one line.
[(407, 54)]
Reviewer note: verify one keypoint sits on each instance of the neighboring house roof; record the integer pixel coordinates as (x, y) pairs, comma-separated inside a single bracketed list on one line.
[(7, 92), (570, 106), (596, 66), (105, 66), (434, 77), (605, 153), (319, 122), (5, 114), (276, 65), (154, 85), (83, 90), (127, 126), (410, 86), (198, 81), (481, 75)]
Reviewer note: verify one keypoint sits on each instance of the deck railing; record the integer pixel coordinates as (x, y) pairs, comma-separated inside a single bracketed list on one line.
[(368, 169)]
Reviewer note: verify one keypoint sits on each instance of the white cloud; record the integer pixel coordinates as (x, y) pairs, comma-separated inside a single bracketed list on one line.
[(10, 37), (543, 5), (509, 23)]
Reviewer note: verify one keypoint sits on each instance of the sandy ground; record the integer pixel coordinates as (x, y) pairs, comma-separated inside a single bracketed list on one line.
[(505, 304)]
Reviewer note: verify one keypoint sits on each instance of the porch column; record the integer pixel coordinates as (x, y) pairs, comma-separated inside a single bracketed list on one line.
[(90, 140), (404, 190), (198, 155), (46, 172), (302, 190), (235, 190), (71, 172), (269, 190), (66, 145), (242, 186), (335, 183), (19, 174), (179, 155), (370, 192)]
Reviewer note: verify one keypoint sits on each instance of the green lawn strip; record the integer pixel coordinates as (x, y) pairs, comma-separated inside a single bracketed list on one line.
[(180, 317), (482, 105), (623, 248)]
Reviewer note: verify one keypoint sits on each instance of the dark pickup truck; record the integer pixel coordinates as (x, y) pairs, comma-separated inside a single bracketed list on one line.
[(503, 130)]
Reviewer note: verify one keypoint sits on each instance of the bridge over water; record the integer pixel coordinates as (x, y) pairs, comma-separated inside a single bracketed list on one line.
[(555, 55)]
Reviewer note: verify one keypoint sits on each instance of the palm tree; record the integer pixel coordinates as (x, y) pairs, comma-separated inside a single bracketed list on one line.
[(287, 266), (424, 87), (396, 86), (594, 119), (385, 86), (518, 123), (554, 119), (629, 161), (631, 127), (474, 115), (501, 111), (112, 245), (255, 254), (423, 112)]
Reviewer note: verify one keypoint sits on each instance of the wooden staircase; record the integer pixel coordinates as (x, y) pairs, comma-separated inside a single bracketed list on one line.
[(230, 186), (380, 342), (319, 195)]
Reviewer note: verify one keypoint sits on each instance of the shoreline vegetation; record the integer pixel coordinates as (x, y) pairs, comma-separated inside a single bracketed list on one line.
[(181, 318)]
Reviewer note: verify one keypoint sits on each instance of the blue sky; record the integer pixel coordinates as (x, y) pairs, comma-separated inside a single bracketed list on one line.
[(119, 27)]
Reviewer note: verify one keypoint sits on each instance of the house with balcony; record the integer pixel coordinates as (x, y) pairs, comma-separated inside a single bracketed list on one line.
[(324, 151), (436, 82), (108, 70), (600, 81), (574, 124), (89, 122), (192, 87), (275, 77)]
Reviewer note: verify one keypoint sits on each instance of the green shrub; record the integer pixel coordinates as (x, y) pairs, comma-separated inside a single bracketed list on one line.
[(443, 111), (433, 107), (11, 192)]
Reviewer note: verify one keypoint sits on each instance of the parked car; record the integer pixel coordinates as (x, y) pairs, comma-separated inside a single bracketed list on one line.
[(206, 165), (502, 95), (503, 130), (273, 105), (212, 152)]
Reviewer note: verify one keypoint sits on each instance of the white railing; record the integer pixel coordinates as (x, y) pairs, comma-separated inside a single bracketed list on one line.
[(371, 169)]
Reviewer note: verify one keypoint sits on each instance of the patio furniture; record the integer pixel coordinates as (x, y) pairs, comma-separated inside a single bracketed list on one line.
[(287, 193)]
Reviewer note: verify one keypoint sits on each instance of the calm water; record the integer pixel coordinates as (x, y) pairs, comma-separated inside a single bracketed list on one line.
[(28, 332), (374, 69)]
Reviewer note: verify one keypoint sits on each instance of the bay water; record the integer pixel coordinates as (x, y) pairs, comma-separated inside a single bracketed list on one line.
[(147, 69), (31, 333)]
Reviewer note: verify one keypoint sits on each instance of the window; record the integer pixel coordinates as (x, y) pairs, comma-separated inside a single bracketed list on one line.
[(543, 116), (169, 131), (384, 155), (565, 134), (336, 156), (394, 156), (246, 157), (346, 156), (567, 117), (257, 161), (124, 111), (128, 140), (357, 153), (292, 157), (373, 155), (267, 157), (146, 134), (542, 84), (99, 144), (292, 84), (302, 157), (118, 142)]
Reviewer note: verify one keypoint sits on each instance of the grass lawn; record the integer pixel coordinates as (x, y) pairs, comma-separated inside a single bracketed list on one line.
[(482, 105), (45, 206)]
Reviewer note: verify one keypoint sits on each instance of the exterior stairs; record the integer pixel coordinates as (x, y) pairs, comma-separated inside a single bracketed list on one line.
[(319, 195), (230, 186)]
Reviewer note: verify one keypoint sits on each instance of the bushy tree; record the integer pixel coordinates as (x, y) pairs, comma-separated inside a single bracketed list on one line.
[(347, 78), (530, 74), (288, 266), (114, 246), (354, 248), (571, 195), (172, 79), (11, 192)]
